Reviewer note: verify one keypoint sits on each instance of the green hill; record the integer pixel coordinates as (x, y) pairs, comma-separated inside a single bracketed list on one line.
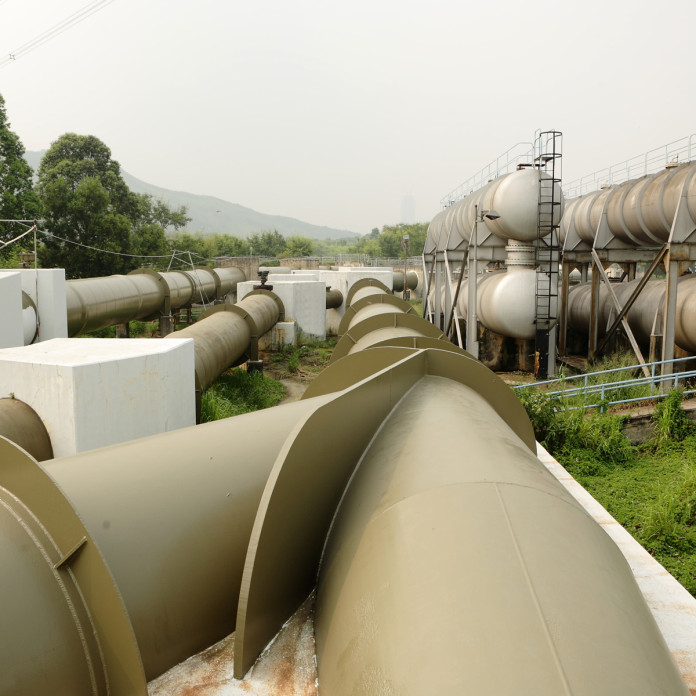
[(210, 215)]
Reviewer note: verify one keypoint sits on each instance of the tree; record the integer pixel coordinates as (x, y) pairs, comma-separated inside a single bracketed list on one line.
[(91, 212), (267, 243), (18, 200), (298, 246), (148, 236)]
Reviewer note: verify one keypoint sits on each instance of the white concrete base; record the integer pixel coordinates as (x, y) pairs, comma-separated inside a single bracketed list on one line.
[(343, 278), (93, 392), (46, 287), (673, 608), (304, 301), (11, 324)]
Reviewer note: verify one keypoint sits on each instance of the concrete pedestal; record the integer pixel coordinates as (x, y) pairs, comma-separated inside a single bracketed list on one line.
[(304, 301), (92, 392), (11, 325)]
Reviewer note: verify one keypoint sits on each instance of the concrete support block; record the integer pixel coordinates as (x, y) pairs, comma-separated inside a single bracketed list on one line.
[(92, 392), (304, 301), (11, 325), (46, 287)]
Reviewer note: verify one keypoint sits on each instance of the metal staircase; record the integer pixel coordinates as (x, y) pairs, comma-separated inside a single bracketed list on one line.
[(547, 160)]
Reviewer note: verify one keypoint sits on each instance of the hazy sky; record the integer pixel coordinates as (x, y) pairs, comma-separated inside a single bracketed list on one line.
[(333, 112)]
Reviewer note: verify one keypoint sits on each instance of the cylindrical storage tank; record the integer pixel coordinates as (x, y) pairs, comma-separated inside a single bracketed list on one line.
[(644, 311), (515, 197), (640, 211), (685, 332), (94, 303), (506, 303), (433, 235)]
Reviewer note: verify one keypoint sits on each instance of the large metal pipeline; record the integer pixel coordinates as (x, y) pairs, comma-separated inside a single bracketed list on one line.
[(374, 316), (20, 424), (223, 336), (94, 303), (454, 563), (640, 212), (150, 572), (645, 315), (398, 281)]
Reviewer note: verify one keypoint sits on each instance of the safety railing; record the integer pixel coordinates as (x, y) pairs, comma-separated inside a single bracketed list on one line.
[(676, 152), (600, 390), (510, 160)]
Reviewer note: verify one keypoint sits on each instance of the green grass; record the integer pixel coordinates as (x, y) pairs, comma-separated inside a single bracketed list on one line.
[(650, 489), (238, 391), (654, 498), (303, 361)]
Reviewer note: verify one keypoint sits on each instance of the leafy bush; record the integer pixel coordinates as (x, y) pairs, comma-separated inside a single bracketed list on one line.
[(671, 422), (583, 443)]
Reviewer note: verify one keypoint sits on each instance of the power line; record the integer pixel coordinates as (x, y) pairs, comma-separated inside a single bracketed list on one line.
[(119, 253), (56, 30)]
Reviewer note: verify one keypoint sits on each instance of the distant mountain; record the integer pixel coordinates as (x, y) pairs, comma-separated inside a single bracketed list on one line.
[(210, 215)]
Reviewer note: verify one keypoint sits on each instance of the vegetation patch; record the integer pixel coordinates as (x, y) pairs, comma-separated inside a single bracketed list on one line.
[(649, 489), (238, 391), (302, 362)]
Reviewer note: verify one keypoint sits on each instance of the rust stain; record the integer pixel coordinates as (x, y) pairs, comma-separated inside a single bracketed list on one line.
[(286, 668)]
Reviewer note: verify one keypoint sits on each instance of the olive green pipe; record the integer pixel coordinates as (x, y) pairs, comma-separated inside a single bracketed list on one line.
[(334, 298), (94, 303), (457, 564), (377, 302), (363, 288), (411, 281), (223, 337), (22, 425), (168, 518), (375, 316), (420, 463)]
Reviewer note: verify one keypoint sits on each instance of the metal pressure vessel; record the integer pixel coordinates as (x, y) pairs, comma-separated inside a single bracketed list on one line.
[(645, 315), (506, 302), (640, 212), (514, 196)]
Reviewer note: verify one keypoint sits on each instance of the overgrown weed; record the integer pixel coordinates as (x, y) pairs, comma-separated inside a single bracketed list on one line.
[(238, 391)]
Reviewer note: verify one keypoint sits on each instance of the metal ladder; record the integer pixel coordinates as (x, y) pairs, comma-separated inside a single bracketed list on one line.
[(547, 160)]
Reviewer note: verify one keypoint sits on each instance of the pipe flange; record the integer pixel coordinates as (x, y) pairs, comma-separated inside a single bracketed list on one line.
[(365, 283), (274, 297), (166, 308), (109, 648), (352, 310), (412, 323)]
